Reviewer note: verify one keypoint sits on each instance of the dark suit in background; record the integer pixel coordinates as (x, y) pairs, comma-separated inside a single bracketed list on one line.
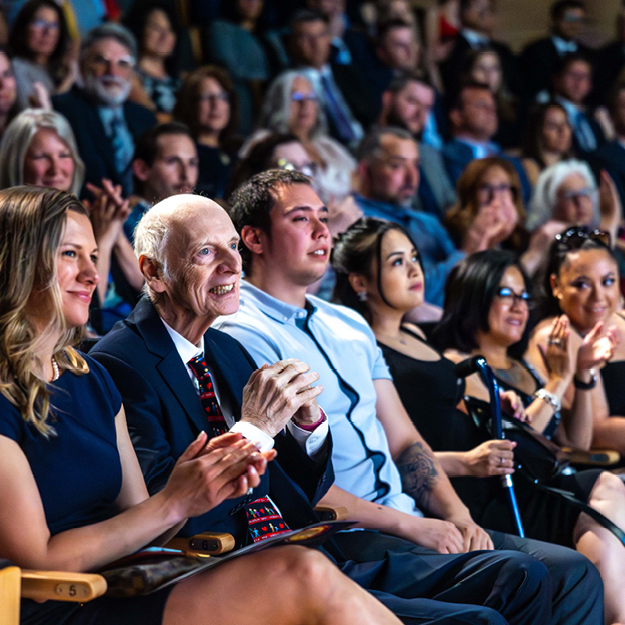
[(452, 67), (93, 145), (611, 157), (538, 62)]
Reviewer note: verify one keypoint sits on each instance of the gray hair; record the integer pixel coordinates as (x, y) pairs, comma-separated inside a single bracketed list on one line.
[(545, 193), (370, 146), (276, 109), (18, 137), (109, 31), (150, 239)]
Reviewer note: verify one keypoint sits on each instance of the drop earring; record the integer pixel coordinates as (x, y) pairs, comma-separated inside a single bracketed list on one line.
[(363, 296)]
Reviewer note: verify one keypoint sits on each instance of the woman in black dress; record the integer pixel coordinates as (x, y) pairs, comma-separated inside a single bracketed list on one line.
[(72, 496), (486, 312), (379, 274)]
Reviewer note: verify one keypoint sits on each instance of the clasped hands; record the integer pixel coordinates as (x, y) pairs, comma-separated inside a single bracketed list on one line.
[(277, 393)]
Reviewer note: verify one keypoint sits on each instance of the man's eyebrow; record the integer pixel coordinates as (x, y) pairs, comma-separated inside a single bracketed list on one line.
[(307, 208)]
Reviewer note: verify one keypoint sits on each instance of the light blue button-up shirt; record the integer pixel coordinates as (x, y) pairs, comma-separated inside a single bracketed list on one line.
[(338, 344)]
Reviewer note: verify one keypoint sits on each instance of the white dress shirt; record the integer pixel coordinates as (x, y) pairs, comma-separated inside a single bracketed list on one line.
[(314, 443)]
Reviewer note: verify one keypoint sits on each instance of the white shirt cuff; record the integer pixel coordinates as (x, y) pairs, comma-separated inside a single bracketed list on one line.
[(313, 443), (252, 433)]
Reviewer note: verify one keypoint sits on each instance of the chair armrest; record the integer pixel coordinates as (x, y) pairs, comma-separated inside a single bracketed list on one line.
[(62, 586), (9, 595), (329, 513), (203, 544), (596, 457)]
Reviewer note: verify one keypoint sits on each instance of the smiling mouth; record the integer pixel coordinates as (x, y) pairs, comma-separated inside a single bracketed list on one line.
[(319, 253), (222, 290)]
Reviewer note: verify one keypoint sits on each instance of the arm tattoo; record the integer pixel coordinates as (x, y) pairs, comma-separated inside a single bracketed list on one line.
[(417, 469)]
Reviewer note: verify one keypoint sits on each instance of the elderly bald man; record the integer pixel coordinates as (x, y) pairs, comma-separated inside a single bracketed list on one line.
[(188, 252)]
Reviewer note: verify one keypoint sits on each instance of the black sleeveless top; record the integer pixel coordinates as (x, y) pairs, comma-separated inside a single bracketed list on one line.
[(613, 375), (430, 392)]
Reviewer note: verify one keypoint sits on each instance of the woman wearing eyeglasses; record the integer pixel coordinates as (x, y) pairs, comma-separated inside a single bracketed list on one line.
[(207, 103), (39, 42), (486, 312), (291, 106), (567, 193), (582, 282), (489, 200)]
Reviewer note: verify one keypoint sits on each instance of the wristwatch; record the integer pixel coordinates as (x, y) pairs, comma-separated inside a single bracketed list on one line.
[(586, 386)]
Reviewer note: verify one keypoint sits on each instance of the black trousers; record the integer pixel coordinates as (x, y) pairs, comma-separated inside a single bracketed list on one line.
[(521, 582)]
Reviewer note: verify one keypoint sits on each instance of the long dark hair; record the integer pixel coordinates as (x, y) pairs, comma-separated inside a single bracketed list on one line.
[(469, 293), (188, 99), (533, 143), (354, 251), (547, 305), (18, 38)]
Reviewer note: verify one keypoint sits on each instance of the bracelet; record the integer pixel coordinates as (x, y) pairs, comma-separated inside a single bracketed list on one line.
[(312, 426), (549, 398), (585, 386)]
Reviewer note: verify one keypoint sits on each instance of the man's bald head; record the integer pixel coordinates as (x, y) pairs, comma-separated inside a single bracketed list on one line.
[(164, 220)]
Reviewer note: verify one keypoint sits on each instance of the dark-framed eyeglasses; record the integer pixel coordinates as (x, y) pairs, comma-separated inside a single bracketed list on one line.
[(575, 237), (490, 191), (508, 296)]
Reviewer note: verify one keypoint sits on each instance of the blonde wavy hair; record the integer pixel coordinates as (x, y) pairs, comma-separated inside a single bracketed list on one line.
[(32, 222)]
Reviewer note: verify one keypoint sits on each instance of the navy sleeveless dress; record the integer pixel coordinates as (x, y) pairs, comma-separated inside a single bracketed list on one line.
[(79, 476)]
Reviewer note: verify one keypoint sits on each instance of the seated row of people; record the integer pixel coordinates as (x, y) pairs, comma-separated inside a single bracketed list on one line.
[(183, 383)]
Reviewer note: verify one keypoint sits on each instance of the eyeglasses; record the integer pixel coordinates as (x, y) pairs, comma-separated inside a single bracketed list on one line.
[(508, 296), (126, 63), (575, 237), (491, 190), (308, 169), (40, 23), (298, 96), (576, 195), (223, 96)]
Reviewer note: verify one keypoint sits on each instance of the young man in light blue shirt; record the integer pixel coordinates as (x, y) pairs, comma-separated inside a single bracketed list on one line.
[(385, 472)]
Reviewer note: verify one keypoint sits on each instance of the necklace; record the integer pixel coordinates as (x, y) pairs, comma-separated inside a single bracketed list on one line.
[(55, 368)]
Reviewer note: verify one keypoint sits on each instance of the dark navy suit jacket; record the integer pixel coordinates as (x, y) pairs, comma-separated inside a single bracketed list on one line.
[(611, 156), (457, 155), (165, 415), (94, 146)]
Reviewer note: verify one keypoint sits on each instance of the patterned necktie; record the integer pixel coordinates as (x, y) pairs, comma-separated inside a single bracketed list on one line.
[(207, 395), (123, 149), (264, 520), (336, 113)]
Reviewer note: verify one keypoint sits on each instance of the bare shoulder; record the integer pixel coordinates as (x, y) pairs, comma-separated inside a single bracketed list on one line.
[(455, 355)]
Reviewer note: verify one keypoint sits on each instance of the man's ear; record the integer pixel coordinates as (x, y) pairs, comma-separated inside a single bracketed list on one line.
[(387, 99), (152, 273), (140, 169), (253, 239), (362, 180), (455, 116)]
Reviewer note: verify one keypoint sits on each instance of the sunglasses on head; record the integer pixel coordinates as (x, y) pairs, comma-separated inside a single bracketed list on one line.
[(575, 237)]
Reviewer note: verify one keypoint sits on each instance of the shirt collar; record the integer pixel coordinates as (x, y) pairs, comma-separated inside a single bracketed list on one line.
[(393, 210), (474, 38), (272, 307), (184, 347), (563, 47)]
